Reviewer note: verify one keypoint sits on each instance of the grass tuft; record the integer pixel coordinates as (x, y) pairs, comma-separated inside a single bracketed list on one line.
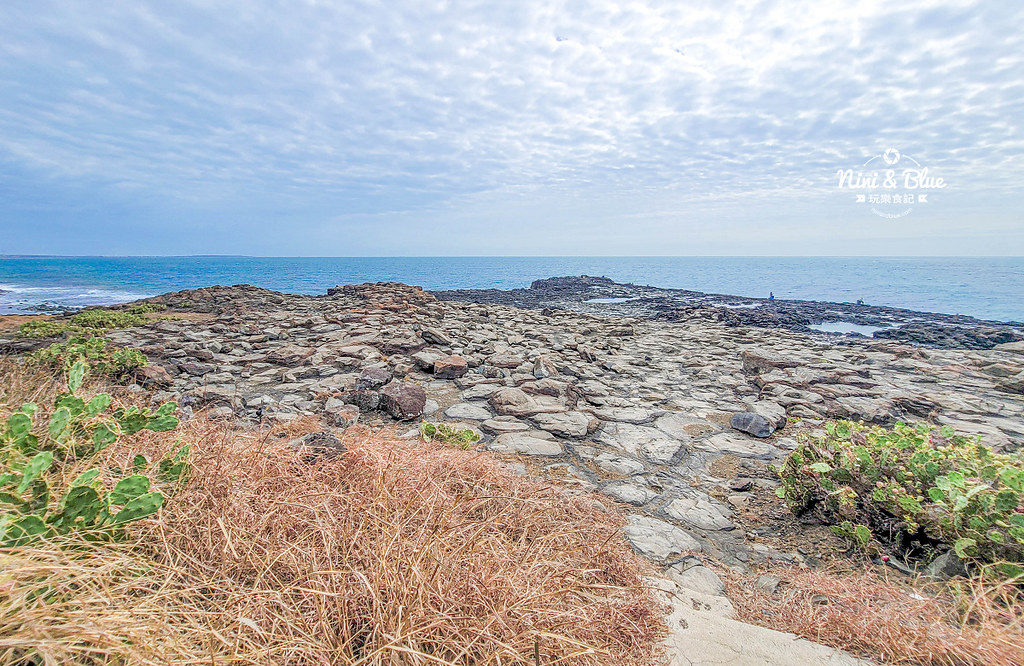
[(398, 552), (976, 622)]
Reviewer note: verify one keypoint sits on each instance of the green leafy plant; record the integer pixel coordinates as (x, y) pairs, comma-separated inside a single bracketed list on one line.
[(36, 500), (101, 357), (913, 487), (100, 319), (146, 308), (42, 328), (446, 434), (89, 322)]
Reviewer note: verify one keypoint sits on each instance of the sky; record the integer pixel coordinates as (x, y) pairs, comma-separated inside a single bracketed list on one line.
[(527, 127)]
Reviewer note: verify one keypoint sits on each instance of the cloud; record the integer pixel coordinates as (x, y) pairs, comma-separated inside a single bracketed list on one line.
[(303, 121)]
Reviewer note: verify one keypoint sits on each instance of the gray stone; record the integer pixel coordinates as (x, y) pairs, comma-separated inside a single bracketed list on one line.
[(340, 413), (436, 336), (480, 391), (625, 414), (516, 402), (566, 424), (770, 410), (674, 425), (505, 360), (752, 424), (365, 400), (289, 355), (629, 493), (700, 513), (739, 445), (526, 443), (693, 575), (946, 566), (619, 464), (756, 361), (319, 446), (426, 359), (502, 424), (373, 378), (657, 540), (466, 410), (649, 443)]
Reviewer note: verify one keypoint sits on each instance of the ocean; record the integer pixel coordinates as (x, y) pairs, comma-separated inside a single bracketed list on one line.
[(987, 288)]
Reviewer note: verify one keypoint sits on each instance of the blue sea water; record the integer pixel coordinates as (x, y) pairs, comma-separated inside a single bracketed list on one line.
[(988, 288)]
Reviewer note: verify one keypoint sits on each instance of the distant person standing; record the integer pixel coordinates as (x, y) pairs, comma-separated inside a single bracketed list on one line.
[(771, 296)]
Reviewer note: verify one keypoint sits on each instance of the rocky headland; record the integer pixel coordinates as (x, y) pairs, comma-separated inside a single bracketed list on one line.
[(678, 412)]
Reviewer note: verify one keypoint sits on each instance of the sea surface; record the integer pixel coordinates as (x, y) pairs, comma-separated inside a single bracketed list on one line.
[(987, 288)]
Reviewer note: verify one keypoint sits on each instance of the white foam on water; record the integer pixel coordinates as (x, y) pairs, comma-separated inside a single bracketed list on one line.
[(611, 300), (846, 327), (19, 299)]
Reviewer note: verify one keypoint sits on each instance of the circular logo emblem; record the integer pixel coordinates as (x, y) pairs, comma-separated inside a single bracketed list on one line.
[(891, 156)]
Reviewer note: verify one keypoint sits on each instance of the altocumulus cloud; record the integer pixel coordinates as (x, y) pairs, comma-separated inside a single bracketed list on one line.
[(528, 127)]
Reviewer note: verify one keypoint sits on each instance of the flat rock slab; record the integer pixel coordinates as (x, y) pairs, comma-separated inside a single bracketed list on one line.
[(502, 424), (516, 402), (629, 493), (467, 410), (656, 539), (700, 632), (700, 513), (566, 424), (626, 414), (530, 443), (640, 441), (740, 446), (619, 464)]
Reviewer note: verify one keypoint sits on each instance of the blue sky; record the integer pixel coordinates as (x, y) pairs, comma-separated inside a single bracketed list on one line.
[(530, 127)]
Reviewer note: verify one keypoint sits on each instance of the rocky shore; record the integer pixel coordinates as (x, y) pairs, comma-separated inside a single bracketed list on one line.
[(599, 295), (677, 412), (678, 417)]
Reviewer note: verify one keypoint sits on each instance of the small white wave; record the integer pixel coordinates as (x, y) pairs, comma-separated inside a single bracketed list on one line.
[(19, 299)]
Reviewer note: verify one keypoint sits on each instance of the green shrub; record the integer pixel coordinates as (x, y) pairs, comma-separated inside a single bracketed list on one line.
[(42, 328), (146, 308), (914, 488), (101, 357), (89, 322), (104, 320), (37, 499), (449, 435)]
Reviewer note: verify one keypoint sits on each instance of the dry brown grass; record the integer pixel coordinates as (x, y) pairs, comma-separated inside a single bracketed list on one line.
[(398, 552), (867, 613)]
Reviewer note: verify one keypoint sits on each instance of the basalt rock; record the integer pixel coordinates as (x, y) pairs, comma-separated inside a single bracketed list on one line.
[(752, 424), (403, 400)]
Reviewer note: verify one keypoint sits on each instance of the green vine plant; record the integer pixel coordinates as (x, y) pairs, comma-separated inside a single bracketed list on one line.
[(36, 502), (913, 488), (462, 438), (101, 357)]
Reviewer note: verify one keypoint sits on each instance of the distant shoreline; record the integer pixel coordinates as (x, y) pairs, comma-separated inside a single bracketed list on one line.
[(989, 289)]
